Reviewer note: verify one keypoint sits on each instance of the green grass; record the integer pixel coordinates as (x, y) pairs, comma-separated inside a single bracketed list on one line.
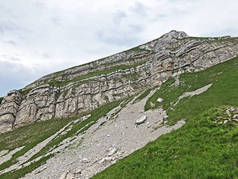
[(28, 136), (32, 134), (92, 74), (197, 38), (24, 92), (23, 171), (201, 148), (143, 95)]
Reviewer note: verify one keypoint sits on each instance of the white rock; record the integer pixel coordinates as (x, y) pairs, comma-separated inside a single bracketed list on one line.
[(85, 160), (113, 151), (235, 116), (64, 175), (70, 175), (225, 121), (78, 171), (3, 152), (141, 120), (159, 100), (235, 120), (105, 160)]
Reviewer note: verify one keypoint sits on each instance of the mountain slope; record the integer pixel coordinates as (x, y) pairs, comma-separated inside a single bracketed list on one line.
[(205, 147), (78, 121)]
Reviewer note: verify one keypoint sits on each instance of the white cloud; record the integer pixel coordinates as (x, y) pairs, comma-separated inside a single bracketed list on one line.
[(41, 37)]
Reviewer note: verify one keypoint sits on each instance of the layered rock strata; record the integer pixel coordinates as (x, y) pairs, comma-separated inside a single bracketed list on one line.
[(86, 87)]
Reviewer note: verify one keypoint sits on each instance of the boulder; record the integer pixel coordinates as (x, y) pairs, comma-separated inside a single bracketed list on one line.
[(235, 116), (159, 100), (112, 151), (85, 160), (141, 120)]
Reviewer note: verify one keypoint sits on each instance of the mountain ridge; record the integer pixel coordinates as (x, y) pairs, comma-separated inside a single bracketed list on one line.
[(84, 88), (167, 108)]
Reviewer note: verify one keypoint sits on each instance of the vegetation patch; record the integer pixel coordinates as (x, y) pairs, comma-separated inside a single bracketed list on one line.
[(24, 92), (29, 136), (143, 95), (23, 171), (1, 98)]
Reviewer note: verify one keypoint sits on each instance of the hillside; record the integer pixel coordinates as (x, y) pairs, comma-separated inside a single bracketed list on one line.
[(206, 146), (177, 92)]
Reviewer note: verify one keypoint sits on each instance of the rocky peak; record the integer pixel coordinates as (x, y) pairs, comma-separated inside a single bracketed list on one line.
[(165, 41), (173, 34)]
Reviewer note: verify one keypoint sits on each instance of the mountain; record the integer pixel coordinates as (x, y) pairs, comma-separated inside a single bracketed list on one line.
[(107, 109), (86, 87)]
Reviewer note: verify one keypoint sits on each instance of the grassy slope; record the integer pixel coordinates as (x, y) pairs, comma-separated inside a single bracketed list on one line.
[(200, 149), (28, 136), (34, 135)]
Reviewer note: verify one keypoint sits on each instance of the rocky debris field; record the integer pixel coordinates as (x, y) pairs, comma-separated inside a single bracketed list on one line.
[(226, 114), (112, 138)]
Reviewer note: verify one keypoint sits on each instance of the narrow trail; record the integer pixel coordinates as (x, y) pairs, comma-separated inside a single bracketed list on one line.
[(110, 139)]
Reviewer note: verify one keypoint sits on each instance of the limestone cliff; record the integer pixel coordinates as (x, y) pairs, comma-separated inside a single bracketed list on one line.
[(86, 87)]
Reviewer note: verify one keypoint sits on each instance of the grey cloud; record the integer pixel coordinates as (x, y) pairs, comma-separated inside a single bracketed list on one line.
[(8, 27), (56, 21), (13, 76), (11, 42), (119, 36), (118, 17), (223, 32), (139, 9)]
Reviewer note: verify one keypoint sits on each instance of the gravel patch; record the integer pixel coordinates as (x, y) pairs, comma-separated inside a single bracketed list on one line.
[(193, 93)]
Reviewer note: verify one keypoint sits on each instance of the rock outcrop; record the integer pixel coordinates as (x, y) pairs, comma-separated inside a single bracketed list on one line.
[(86, 87)]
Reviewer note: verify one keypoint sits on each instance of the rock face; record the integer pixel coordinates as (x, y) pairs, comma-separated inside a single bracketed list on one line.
[(8, 110), (86, 87)]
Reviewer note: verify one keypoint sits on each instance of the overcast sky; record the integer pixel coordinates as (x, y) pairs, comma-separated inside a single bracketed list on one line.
[(38, 37)]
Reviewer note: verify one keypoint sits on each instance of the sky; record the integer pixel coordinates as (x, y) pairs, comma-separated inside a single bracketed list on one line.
[(38, 37)]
